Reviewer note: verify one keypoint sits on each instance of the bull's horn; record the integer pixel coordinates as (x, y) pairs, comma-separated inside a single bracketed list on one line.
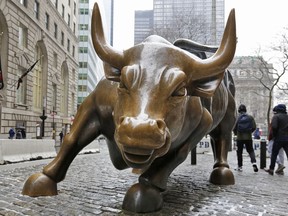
[(103, 49), (217, 63)]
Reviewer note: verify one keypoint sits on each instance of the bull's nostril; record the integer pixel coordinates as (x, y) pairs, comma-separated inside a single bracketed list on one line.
[(161, 124)]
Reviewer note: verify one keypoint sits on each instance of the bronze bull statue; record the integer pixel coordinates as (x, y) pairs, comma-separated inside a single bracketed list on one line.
[(156, 103)]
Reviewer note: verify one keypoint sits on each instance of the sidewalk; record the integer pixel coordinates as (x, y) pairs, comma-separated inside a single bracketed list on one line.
[(94, 187)]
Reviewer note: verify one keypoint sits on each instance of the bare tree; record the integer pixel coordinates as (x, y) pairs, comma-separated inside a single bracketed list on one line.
[(271, 78), (185, 24)]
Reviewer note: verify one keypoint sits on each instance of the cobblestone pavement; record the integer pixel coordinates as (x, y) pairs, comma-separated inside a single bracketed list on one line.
[(94, 187)]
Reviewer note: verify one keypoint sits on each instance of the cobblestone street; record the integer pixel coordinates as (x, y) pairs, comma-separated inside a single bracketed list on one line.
[(94, 187)]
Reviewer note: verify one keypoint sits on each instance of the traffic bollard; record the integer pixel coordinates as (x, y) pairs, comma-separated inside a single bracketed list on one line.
[(263, 150), (193, 156)]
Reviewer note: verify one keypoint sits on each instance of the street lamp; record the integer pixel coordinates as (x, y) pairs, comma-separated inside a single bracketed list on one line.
[(43, 117), (53, 123)]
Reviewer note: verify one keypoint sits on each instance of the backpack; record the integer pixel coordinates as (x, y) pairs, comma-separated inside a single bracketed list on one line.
[(245, 123)]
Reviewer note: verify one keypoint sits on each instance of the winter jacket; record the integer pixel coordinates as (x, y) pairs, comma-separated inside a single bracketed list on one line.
[(279, 125)]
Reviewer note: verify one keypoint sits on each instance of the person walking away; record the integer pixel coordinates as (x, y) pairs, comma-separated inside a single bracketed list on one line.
[(280, 156), (61, 136), (11, 133), (244, 127), (19, 134), (279, 127)]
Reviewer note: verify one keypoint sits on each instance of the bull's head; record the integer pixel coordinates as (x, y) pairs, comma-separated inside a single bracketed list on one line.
[(155, 78)]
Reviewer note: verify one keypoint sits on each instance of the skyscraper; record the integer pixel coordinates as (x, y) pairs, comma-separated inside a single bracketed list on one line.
[(90, 66), (198, 20)]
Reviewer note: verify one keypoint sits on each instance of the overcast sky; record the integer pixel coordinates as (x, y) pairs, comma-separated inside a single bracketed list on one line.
[(258, 22)]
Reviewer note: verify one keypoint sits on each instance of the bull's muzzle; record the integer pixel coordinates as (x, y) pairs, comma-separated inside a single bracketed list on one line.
[(142, 140)]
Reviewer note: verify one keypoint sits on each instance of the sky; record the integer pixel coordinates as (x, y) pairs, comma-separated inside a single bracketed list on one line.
[(258, 22)]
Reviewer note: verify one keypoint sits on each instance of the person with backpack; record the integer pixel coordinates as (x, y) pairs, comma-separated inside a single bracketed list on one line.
[(244, 127), (279, 126)]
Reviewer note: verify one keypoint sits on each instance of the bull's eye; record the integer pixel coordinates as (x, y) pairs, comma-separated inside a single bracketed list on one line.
[(179, 92)]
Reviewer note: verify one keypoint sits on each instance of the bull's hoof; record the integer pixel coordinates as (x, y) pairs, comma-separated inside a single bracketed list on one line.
[(142, 198), (222, 176), (39, 184)]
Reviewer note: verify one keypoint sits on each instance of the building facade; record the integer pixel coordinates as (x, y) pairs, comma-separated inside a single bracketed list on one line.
[(44, 31), (246, 72), (198, 20), (143, 25), (90, 65)]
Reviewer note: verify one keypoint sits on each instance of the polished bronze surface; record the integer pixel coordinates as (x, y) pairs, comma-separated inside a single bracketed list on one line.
[(156, 103)]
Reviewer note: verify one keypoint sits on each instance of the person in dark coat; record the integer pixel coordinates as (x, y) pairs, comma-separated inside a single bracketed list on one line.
[(61, 136), (11, 133), (245, 138), (279, 126)]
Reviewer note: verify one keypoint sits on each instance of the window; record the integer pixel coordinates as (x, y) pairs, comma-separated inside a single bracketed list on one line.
[(21, 91), (36, 9), (74, 27), (73, 74), (23, 36), (74, 8), (64, 89), (73, 51), (83, 11), (47, 21), (83, 38), (63, 11), (68, 45), (23, 2), (83, 49), (62, 38), (84, 1), (55, 60), (83, 64), (82, 88), (69, 2), (82, 76), (56, 4), (54, 96), (55, 30), (37, 80), (68, 21), (83, 27)]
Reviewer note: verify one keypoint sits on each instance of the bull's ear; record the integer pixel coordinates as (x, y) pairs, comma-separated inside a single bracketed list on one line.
[(205, 87), (112, 73)]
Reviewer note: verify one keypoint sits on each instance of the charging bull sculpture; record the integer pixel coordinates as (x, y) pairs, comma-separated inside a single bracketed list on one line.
[(156, 103)]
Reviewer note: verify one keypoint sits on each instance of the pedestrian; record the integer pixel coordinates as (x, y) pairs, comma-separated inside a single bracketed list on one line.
[(61, 136), (19, 134), (11, 133), (279, 127), (244, 127), (257, 134)]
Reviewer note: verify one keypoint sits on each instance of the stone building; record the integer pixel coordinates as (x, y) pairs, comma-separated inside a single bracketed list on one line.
[(44, 30), (246, 71)]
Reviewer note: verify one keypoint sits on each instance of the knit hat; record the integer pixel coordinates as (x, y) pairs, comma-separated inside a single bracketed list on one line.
[(280, 108)]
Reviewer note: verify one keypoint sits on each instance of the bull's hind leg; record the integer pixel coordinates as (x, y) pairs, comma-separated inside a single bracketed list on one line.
[(84, 130), (221, 139)]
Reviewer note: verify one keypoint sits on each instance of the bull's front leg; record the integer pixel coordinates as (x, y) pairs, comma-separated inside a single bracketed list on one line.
[(146, 196), (84, 130)]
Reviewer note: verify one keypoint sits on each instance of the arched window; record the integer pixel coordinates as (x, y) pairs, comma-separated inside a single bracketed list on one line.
[(64, 89), (37, 80)]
